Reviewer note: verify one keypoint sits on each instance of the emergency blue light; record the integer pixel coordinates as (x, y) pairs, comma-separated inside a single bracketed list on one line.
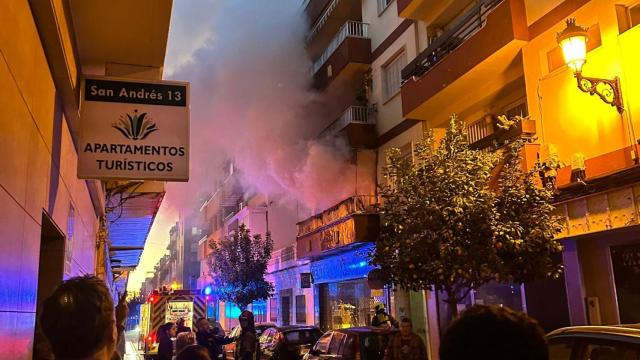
[(207, 290)]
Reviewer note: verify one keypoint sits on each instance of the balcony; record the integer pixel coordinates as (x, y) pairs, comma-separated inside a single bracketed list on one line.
[(352, 220), (478, 56), (433, 12), (351, 45), (326, 17), (358, 124), (485, 134)]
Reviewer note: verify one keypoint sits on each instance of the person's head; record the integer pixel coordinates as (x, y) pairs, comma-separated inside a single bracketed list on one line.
[(194, 352), (202, 324), (183, 340), (405, 326), (167, 331), (180, 322), (78, 319), (496, 333), (246, 321), (378, 307)]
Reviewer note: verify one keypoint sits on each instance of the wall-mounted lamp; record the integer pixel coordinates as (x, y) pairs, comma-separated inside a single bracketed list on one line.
[(573, 41)]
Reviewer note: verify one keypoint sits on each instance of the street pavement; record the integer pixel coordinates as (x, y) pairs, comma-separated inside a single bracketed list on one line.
[(131, 346)]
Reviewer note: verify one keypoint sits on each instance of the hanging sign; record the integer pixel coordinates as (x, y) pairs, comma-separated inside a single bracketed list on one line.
[(134, 129)]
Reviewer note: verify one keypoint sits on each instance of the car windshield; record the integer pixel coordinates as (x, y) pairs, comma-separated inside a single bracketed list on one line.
[(304, 336)]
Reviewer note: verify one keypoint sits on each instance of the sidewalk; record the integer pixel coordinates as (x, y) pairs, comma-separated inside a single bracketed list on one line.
[(131, 352)]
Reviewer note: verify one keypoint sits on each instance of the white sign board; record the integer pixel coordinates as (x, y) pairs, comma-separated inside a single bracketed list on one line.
[(134, 129), (179, 310)]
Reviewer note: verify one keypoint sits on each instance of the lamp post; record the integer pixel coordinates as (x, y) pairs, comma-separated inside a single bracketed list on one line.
[(573, 41)]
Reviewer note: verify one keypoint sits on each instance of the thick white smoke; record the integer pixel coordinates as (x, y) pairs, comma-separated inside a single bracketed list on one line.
[(250, 101)]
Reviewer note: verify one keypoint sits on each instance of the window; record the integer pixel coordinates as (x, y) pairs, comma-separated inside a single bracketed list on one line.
[(322, 346), (288, 254), (611, 350), (273, 309), (301, 313), (267, 336), (68, 249), (336, 341), (302, 336), (383, 5), (406, 151), (392, 76), (628, 16), (560, 350), (259, 309)]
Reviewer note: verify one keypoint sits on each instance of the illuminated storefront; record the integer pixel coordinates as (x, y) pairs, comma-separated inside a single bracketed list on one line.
[(343, 297)]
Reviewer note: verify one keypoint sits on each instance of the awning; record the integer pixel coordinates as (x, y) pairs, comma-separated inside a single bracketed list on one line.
[(129, 222)]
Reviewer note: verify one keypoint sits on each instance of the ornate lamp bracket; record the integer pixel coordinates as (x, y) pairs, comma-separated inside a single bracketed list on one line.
[(608, 90)]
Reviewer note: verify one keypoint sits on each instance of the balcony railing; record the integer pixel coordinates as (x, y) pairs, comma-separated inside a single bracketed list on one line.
[(353, 115), (359, 204), (465, 28), (349, 29), (479, 130), (323, 19)]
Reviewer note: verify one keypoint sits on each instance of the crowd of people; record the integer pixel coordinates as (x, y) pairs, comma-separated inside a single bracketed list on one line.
[(80, 321)]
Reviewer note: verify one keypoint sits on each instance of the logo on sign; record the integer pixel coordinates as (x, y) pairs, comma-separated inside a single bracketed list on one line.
[(135, 126)]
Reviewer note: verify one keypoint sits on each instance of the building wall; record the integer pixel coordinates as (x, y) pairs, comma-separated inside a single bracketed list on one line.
[(38, 175), (380, 24), (573, 120)]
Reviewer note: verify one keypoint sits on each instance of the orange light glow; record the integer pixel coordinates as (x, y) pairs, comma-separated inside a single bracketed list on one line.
[(574, 50), (573, 41)]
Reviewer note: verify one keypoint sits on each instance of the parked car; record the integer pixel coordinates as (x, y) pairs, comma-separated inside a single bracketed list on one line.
[(595, 343), (364, 343), (288, 342), (230, 349)]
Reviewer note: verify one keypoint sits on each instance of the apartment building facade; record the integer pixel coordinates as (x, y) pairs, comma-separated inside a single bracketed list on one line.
[(231, 206), (480, 59)]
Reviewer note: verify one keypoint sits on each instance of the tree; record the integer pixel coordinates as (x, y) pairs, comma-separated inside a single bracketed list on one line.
[(238, 264), (444, 227), (527, 223)]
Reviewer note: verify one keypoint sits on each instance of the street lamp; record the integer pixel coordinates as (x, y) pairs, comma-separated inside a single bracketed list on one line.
[(573, 41)]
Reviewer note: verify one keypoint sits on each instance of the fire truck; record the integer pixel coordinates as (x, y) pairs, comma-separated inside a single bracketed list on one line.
[(168, 306)]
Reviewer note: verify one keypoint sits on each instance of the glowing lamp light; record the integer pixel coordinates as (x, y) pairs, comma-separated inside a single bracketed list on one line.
[(174, 285), (207, 290), (573, 41)]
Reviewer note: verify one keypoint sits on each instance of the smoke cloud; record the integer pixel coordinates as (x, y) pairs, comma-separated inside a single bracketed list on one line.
[(250, 102)]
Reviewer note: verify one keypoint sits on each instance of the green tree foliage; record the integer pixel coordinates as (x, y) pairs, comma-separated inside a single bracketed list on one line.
[(446, 228), (238, 265)]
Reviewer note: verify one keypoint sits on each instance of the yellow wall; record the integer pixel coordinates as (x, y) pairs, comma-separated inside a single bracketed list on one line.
[(569, 118), (38, 172)]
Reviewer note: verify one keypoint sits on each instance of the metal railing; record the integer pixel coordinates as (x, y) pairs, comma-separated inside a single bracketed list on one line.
[(358, 204), (349, 29), (472, 22), (353, 115), (479, 130), (322, 20)]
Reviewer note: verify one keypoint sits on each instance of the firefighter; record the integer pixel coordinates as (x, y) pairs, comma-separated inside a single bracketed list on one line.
[(381, 318)]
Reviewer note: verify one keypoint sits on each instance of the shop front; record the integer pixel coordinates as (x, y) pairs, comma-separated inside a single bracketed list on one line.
[(343, 297)]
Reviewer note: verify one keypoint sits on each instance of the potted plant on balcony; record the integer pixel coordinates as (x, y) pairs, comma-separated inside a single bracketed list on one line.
[(547, 165), (525, 123)]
